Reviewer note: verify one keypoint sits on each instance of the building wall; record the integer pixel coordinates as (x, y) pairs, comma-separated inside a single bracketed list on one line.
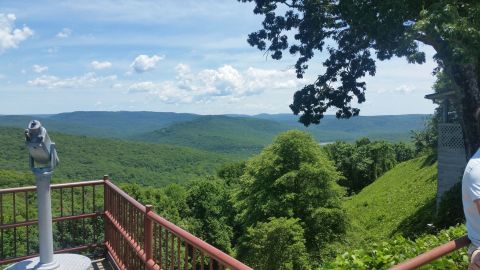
[(451, 156)]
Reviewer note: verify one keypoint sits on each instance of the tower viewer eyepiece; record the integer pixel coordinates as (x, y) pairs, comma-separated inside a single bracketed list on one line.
[(43, 154)]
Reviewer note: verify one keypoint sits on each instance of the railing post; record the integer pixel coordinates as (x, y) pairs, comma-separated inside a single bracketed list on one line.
[(105, 202), (148, 235)]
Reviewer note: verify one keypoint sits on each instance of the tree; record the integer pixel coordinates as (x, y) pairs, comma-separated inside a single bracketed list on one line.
[(278, 244), (355, 32), (403, 151), (425, 141), (210, 208), (363, 162), (231, 172), (293, 178)]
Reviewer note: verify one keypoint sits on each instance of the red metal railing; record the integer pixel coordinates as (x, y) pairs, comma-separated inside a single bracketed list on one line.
[(433, 254), (77, 215), (97, 215), (138, 238)]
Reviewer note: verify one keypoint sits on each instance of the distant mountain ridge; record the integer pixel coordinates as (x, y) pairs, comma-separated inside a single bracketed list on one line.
[(120, 124), (90, 158), (238, 134)]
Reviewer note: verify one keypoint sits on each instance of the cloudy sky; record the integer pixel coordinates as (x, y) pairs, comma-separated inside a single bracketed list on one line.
[(181, 56)]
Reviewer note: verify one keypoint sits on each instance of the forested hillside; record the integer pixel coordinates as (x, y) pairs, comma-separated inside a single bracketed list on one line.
[(218, 133), (135, 162), (100, 124), (381, 127), (237, 134)]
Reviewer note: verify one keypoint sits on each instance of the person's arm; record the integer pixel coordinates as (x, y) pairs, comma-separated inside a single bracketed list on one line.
[(474, 186), (475, 189)]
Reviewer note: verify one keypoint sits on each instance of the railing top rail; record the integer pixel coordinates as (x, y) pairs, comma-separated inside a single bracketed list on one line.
[(198, 243), (433, 254), (78, 184), (122, 193), (54, 186)]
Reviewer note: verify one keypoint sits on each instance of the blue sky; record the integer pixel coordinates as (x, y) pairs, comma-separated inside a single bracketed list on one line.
[(180, 56)]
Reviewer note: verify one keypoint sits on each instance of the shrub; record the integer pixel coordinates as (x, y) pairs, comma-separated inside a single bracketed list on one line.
[(450, 209), (278, 244), (386, 254)]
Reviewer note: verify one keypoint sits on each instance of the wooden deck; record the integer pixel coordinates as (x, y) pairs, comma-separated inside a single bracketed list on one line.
[(102, 264)]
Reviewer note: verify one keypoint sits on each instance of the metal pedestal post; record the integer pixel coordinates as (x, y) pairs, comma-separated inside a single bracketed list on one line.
[(44, 201), (47, 260)]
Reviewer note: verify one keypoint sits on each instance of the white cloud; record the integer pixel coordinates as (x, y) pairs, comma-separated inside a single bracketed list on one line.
[(209, 84), (52, 50), (117, 85), (10, 37), (65, 33), (405, 89), (39, 69), (87, 80), (144, 62), (100, 65)]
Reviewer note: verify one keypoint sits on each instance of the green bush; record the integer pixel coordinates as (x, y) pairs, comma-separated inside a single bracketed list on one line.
[(450, 209), (278, 244), (388, 253), (363, 162)]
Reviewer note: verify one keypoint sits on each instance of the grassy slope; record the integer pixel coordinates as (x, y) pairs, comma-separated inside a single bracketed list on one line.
[(401, 201), (89, 158)]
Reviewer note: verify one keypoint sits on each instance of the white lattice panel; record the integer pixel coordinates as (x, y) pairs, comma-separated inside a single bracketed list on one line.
[(451, 157), (450, 136)]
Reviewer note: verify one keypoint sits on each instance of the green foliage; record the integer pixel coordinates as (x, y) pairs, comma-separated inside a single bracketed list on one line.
[(120, 124), (363, 162), (425, 140), (202, 207), (90, 158), (400, 201), (170, 202), (450, 210), (238, 135), (210, 209), (403, 151), (246, 136), (387, 253), (293, 178), (278, 244), (10, 178), (66, 234), (218, 133), (232, 172)]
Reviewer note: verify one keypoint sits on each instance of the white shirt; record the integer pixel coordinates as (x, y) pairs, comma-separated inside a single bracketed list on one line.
[(470, 193)]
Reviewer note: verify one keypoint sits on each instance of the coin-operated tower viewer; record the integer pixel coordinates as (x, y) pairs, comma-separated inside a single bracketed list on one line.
[(43, 159)]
